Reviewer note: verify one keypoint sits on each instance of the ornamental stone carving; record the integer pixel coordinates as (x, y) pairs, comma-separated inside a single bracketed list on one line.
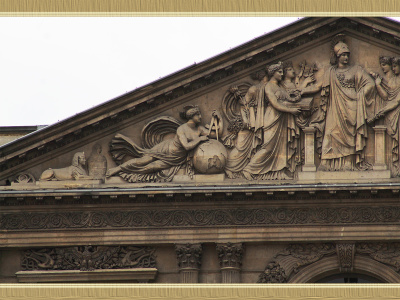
[(189, 255), (76, 171), (24, 178), (166, 157), (296, 257), (388, 104), (230, 259), (88, 258), (189, 261), (347, 102), (345, 252), (331, 88), (230, 255), (42, 221), (386, 253)]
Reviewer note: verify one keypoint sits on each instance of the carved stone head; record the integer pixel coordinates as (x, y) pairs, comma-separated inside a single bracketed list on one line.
[(386, 63), (396, 65), (341, 48), (190, 111), (288, 70), (79, 159), (338, 48), (273, 68)]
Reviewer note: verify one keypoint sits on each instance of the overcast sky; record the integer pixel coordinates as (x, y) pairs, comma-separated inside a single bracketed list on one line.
[(53, 68)]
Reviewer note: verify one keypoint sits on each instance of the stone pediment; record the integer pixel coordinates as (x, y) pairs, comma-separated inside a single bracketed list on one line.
[(320, 121)]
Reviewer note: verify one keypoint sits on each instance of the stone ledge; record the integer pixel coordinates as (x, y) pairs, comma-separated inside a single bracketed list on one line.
[(353, 176), (212, 178), (140, 275), (69, 183)]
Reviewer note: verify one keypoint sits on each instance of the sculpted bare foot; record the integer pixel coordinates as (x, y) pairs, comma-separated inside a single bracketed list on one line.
[(112, 171)]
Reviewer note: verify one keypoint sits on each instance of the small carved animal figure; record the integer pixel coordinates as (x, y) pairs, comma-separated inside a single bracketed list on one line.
[(74, 172)]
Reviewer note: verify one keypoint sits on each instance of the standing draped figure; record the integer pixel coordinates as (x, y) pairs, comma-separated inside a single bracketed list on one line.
[(389, 91), (348, 95), (276, 131)]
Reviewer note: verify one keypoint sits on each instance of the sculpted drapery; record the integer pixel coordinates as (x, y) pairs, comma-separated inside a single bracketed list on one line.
[(350, 97), (244, 141), (276, 131), (389, 91), (162, 161)]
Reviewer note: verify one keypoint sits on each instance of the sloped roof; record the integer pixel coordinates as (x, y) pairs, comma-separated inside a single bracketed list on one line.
[(29, 150)]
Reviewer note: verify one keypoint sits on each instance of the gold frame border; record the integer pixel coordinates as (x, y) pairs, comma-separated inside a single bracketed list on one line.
[(200, 291), (250, 8), (200, 8)]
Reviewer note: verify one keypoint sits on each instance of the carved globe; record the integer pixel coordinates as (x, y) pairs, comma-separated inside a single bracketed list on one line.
[(210, 157)]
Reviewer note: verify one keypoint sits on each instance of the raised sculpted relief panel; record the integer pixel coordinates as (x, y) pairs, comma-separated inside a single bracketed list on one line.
[(264, 139), (295, 259), (88, 258), (345, 91), (76, 171)]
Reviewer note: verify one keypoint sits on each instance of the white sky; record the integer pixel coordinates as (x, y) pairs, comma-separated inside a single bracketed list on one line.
[(53, 68)]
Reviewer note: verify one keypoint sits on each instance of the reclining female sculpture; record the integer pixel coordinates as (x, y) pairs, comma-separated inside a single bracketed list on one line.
[(162, 161)]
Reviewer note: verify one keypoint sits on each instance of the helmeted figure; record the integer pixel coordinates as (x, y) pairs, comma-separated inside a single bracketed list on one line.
[(348, 95)]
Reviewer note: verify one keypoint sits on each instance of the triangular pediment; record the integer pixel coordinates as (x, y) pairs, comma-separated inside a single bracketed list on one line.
[(234, 84)]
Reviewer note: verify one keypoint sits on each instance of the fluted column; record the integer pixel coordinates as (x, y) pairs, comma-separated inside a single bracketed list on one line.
[(189, 261), (230, 259)]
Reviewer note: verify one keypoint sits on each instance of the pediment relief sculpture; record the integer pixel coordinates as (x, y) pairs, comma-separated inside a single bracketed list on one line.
[(76, 171), (324, 114), (162, 159)]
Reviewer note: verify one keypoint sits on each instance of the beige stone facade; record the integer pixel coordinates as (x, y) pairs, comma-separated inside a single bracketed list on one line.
[(274, 162)]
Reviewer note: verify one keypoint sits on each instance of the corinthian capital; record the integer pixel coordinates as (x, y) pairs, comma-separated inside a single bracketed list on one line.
[(230, 255), (189, 255)]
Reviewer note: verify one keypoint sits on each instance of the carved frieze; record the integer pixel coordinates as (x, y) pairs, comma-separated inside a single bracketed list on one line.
[(88, 258), (195, 218)]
